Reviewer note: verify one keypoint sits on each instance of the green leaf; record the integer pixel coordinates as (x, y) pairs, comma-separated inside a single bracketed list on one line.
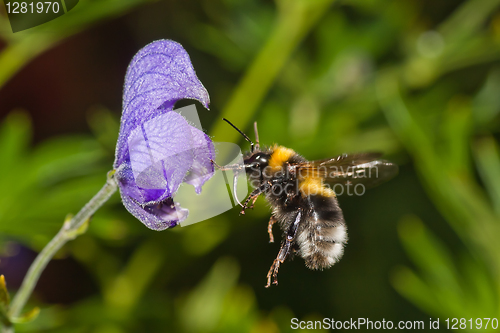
[(25, 45), (435, 262), (4, 293), (479, 283), (457, 127), (15, 135), (487, 157), (27, 317), (4, 303), (105, 126), (207, 299), (428, 253), (411, 286), (56, 177)]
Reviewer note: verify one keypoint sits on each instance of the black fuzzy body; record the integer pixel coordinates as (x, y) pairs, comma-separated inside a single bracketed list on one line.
[(313, 224)]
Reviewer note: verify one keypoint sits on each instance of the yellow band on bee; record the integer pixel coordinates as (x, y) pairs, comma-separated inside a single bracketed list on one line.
[(279, 156), (314, 186)]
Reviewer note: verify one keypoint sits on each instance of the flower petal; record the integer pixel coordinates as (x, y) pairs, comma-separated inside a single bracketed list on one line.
[(163, 140), (202, 168), (162, 216), (157, 148), (158, 76), (163, 150)]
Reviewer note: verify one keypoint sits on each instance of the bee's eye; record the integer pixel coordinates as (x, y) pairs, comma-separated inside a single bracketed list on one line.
[(259, 159)]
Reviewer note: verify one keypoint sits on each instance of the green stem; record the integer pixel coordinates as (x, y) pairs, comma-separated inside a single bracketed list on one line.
[(71, 229)]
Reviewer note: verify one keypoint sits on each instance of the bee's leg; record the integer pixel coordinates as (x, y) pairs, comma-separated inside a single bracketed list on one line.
[(286, 247), (227, 167), (254, 195), (272, 221), (253, 202)]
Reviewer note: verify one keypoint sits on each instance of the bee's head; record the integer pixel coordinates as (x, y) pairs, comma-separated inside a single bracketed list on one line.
[(255, 166), (257, 161)]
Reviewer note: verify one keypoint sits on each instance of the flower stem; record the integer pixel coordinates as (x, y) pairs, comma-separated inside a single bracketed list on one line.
[(72, 228)]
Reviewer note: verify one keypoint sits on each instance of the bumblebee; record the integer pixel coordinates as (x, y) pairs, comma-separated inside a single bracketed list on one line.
[(302, 195)]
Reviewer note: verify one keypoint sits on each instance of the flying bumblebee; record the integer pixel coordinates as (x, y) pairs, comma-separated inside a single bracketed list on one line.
[(302, 199)]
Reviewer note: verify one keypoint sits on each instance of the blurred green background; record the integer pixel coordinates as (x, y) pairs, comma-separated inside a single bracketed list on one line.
[(417, 80)]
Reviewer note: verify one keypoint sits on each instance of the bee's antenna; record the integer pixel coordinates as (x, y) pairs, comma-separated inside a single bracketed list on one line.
[(244, 135), (257, 145)]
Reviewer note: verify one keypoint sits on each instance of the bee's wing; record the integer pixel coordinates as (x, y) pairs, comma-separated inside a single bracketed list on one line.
[(363, 168), (346, 159)]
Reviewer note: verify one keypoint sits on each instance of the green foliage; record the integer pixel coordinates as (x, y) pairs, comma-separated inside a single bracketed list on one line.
[(61, 173), (444, 288), (25, 45), (417, 81)]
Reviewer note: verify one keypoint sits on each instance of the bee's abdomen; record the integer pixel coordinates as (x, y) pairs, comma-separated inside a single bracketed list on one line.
[(321, 241)]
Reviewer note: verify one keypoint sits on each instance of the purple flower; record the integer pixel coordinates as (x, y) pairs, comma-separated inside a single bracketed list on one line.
[(157, 148)]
